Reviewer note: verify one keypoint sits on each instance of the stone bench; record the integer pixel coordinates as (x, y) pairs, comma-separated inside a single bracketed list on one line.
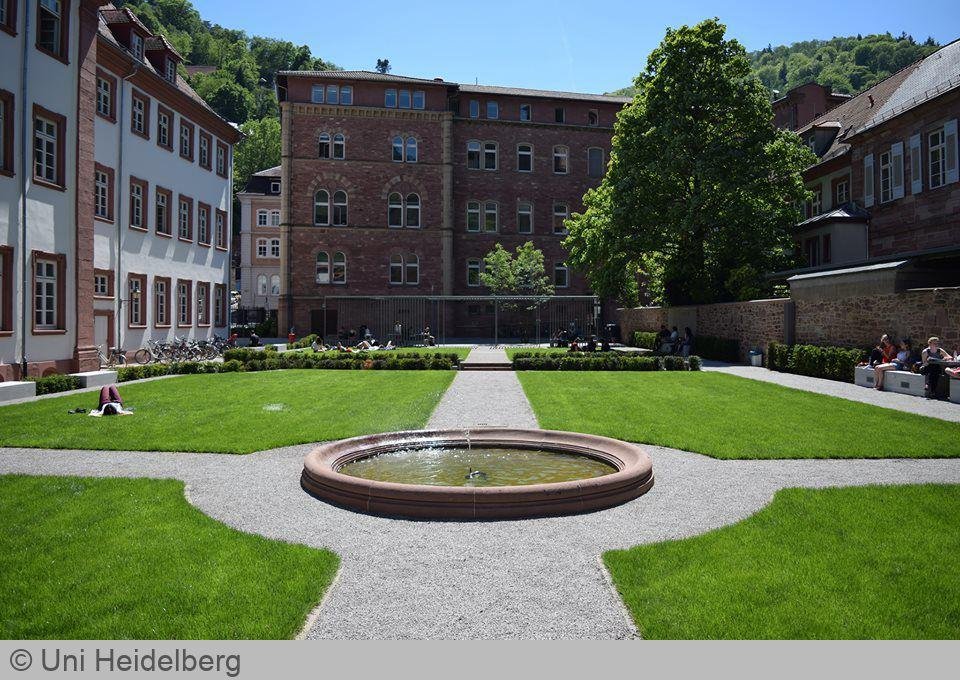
[(96, 378), (13, 389), (903, 382), (954, 384)]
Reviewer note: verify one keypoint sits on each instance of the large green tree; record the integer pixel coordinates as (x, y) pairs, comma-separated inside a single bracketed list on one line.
[(259, 149), (701, 190), (519, 273)]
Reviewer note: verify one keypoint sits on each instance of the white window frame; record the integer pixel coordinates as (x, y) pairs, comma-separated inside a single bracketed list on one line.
[(395, 270), (390, 98), (138, 110), (136, 206), (324, 146), (101, 284), (340, 217), (528, 109), (316, 94), (474, 155), (561, 158), (474, 211), (419, 99), (171, 70), (262, 284), (183, 304), (274, 218), (397, 145), (275, 248), (104, 97), (411, 150), (916, 165), (338, 271), (395, 210), (868, 180), (886, 177), (603, 155), (474, 269), (136, 44), (490, 208), (411, 211), (324, 203), (45, 294), (346, 95), (558, 268), (135, 300), (411, 270), (101, 195), (183, 220), (937, 157), (333, 94), (274, 284), (274, 187), (404, 99), (160, 303), (493, 110), (163, 128), (203, 225), (474, 108), (45, 149), (54, 10), (844, 196), (203, 151), (564, 214), (339, 147), (262, 217), (263, 246)]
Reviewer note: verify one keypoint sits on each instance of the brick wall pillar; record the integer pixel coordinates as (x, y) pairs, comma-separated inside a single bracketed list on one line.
[(285, 314), (446, 240)]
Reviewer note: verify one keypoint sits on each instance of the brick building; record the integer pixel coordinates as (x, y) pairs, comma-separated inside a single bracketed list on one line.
[(803, 103), (395, 186)]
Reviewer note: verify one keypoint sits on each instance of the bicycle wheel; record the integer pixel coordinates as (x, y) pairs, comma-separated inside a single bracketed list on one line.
[(143, 356)]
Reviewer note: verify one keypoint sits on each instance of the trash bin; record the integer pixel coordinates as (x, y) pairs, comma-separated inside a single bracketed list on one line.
[(756, 357)]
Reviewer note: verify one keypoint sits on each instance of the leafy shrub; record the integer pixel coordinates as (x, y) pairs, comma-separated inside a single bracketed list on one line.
[(672, 363), (56, 383), (718, 349), (645, 340), (778, 356), (695, 362), (232, 366), (579, 361), (302, 343), (126, 373), (832, 363)]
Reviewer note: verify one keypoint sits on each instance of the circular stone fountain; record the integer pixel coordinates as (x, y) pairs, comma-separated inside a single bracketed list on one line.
[(489, 473)]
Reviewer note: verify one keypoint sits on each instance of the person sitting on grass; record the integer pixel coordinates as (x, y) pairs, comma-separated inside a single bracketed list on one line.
[(366, 345), (592, 344), (318, 346), (931, 367), (898, 362), (110, 403), (343, 348)]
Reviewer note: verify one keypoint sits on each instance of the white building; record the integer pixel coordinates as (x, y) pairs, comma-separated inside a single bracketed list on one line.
[(259, 274)]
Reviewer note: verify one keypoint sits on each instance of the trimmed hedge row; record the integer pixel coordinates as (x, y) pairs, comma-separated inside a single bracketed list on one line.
[(645, 340), (832, 363), (56, 383), (246, 355), (708, 347), (606, 361)]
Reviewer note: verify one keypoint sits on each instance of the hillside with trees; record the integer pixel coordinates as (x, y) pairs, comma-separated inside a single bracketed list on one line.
[(849, 65)]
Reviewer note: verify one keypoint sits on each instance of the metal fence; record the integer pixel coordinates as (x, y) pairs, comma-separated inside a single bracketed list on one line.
[(451, 319)]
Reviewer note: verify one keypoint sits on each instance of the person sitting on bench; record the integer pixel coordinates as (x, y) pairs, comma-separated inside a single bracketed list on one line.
[(931, 366), (890, 361)]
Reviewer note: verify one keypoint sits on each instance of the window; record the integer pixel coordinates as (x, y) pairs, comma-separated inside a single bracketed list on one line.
[(493, 110), (101, 285), (274, 218), (203, 224), (220, 303), (526, 112), (185, 219), (560, 213), (816, 203), (163, 200), (332, 94), (811, 247), (396, 269), (170, 68), (138, 200), (561, 160), (842, 194), (474, 267), (524, 158), (262, 217), (221, 230), (164, 121), (321, 208), (937, 154), (46, 292), (316, 94), (595, 162), (186, 140), (53, 31), (204, 150), (136, 302), (559, 115), (412, 270), (346, 95), (489, 155), (490, 220), (47, 147), (275, 247), (886, 178), (868, 180), (593, 117), (339, 147), (324, 145), (203, 304), (412, 209), (419, 99), (323, 268), (6, 132), (395, 210), (896, 171), (6, 288), (262, 247), (916, 165), (411, 156), (404, 99), (524, 218), (340, 209), (262, 284), (275, 284), (106, 89), (136, 45), (339, 268), (473, 155), (140, 114), (398, 149), (474, 108), (184, 315), (390, 99), (161, 303), (825, 249), (103, 193), (473, 216), (8, 22), (561, 275), (274, 187)]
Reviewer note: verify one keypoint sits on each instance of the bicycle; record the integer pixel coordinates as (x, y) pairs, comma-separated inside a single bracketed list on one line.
[(114, 357)]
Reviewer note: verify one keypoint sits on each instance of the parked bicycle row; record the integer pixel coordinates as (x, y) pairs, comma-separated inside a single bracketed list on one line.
[(179, 349)]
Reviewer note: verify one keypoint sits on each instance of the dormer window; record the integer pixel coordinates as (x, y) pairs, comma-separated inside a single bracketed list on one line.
[(136, 44), (171, 70), (812, 143), (274, 187)]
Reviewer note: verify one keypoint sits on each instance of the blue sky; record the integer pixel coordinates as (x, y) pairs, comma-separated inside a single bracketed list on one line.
[(560, 45)]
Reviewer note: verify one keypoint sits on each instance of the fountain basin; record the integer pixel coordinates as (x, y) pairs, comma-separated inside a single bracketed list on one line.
[(631, 476)]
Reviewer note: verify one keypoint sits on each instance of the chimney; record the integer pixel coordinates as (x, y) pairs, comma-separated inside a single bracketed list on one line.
[(870, 97)]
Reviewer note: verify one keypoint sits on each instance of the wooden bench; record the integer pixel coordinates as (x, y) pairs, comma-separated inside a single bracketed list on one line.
[(903, 382)]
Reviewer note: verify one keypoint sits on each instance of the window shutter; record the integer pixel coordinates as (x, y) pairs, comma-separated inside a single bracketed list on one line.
[(950, 135), (896, 170), (916, 166), (868, 180)]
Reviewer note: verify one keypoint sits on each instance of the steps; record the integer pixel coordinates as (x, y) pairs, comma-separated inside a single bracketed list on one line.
[(486, 359)]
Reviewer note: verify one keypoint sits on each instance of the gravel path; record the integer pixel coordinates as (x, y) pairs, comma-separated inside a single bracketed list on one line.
[(943, 410), (479, 398)]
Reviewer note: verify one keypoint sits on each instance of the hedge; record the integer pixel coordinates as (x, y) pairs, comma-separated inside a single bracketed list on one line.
[(606, 361), (832, 363), (645, 340), (56, 383), (718, 349), (302, 343)]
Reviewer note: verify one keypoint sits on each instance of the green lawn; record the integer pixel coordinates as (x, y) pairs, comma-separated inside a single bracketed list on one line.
[(461, 352), (729, 417), (130, 558), (233, 412), (862, 563)]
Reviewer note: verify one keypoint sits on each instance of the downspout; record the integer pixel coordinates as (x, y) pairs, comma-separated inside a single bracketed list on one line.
[(25, 287), (118, 204)]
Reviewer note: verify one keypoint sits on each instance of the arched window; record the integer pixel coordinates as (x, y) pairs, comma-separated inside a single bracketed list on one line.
[(413, 211), (396, 269), (561, 160), (323, 267), (524, 158), (262, 284), (275, 284), (395, 210), (474, 267), (339, 147), (490, 217), (411, 150), (412, 270), (473, 155), (473, 215), (398, 149), (324, 145), (490, 156), (524, 218), (340, 208), (339, 268), (321, 208), (261, 218)]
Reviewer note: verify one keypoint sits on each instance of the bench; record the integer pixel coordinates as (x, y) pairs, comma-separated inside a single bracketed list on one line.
[(954, 390), (96, 378), (13, 389), (903, 382)]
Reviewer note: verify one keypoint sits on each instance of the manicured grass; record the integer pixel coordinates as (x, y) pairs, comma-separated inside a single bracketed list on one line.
[(130, 558), (461, 352), (729, 417), (233, 412), (863, 563)]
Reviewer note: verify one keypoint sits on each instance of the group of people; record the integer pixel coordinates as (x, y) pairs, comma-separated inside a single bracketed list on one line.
[(574, 343), (932, 362), (672, 342)]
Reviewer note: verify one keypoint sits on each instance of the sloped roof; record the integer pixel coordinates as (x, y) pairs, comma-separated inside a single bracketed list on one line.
[(269, 172), (551, 94), (364, 75), (845, 213), (158, 43)]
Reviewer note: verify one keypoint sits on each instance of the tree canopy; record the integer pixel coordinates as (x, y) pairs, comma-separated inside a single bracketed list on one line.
[(258, 150), (701, 190), (518, 273)]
